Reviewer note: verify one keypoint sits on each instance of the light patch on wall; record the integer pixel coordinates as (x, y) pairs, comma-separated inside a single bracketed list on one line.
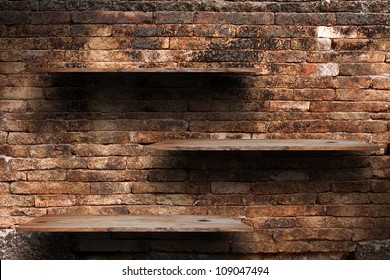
[(328, 69)]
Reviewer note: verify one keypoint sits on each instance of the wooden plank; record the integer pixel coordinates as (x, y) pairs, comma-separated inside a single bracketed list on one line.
[(262, 145), (133, 223), (144, 70)]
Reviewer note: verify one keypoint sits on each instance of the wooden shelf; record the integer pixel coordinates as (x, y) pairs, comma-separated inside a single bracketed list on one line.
[(144, 70), (262, 145), (136, 223)]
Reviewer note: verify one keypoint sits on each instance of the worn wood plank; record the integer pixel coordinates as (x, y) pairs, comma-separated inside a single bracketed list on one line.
[(145, 70), (133, 223), (262, 145)]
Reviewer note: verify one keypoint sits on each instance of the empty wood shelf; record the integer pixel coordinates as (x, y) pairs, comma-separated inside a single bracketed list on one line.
[(145, 70), (133, 223), (262, 145)]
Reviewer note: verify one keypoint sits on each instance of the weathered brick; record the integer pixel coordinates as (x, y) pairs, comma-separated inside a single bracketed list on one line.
[(363, 95), (13, 17), (381, 83), (284, 211), (286, 56), (7, 200), (334, 222), (362, 69), (167, 175), (360, 44), (346, 57), (49, 188), (105, 175), (50, 175), (50, 17), (111, 187), (111, 17), (348, 106), (362, 19), (316, 246), (214, 30), (234, 18), (289, 105), (357, 211), (173, 17), (54, 200), (89, 210), (314, 234), (171, 187), (305, 19), (91, 30), (229, 187), (106, 163), (114, 199)]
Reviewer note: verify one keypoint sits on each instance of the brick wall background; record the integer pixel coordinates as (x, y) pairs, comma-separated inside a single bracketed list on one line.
[(70, 142)]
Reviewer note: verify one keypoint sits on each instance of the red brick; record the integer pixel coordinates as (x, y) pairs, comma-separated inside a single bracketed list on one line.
[(316, 246), (381, 83), (289, 105), (112, 17), (13, 17), (234, 18), (114, 199), (305, 19), (54, 200), (171, 187), (8, 222), (106, 163), (7, 200), (174, 199), (358, 211), (213, 30), (105, 175), (313, 234), (173, 17), (91, 30), (49, 188), (286, 56), (354, 82), (285, 211), (363, 19), (89, 210), (346, 57), (361, 69), (349, 106), (50, 17), (229, 187), (334, 222), (49, 175)]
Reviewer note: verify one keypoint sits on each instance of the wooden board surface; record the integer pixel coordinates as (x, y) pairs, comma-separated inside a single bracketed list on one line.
[(145, 70), (262, 145), (133, 223)]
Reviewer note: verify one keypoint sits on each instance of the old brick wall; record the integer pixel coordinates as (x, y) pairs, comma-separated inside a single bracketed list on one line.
[(70, 143)]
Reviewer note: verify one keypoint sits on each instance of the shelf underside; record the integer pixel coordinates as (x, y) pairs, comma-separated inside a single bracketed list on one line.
[(262, 145), (136, 223)]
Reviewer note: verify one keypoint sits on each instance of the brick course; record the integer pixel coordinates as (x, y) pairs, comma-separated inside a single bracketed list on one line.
[(70, 143)]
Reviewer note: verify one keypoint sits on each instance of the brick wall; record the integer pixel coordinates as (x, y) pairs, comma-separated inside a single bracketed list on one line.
[(70, 142)]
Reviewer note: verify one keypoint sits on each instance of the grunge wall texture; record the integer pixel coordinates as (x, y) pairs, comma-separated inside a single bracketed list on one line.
[(70, 143)]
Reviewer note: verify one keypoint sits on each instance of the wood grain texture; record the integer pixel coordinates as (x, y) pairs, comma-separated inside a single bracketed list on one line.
[(262, 145), (135, 223), (145, 70)]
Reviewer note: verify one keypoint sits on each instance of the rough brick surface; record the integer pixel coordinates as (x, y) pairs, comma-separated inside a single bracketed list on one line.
[(71, 143)]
